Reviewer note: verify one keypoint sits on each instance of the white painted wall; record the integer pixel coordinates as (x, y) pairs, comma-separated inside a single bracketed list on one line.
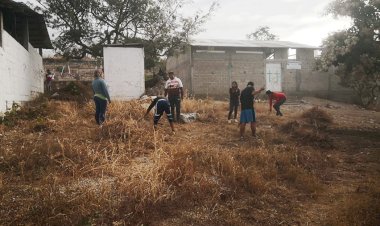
[(124, 72), (273, 77), (21, 72)]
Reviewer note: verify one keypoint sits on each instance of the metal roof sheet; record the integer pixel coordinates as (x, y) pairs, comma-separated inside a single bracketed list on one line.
[(38, 33), (249, 43)]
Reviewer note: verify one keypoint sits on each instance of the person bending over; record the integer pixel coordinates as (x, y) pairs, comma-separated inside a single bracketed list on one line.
[(161, 105), (279, 99)]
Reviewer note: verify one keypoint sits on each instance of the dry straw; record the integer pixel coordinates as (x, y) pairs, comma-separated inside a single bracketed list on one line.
[(73, 172)]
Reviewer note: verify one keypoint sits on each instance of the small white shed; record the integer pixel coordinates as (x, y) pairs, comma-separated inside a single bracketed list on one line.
[(124, 70)]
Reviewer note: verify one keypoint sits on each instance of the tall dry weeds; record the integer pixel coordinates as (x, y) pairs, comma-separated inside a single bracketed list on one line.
[(65, 170)]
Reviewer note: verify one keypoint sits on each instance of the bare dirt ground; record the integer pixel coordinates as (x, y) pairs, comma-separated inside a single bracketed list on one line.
[(301, 170)]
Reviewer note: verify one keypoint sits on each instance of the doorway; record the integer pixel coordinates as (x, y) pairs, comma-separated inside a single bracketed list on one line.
[(273, 77)]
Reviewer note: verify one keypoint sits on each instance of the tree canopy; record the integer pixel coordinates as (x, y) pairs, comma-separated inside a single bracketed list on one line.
[(355, 52), (84, 26), (262, 34)]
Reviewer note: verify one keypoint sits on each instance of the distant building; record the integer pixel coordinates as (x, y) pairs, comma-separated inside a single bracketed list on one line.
[(22, 30), (208, 67)]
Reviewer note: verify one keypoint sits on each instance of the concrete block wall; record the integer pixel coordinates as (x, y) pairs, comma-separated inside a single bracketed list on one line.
[(213, 73), (313, 82), (281, 54), (248, 67), (22, 74), (210, 73), (180, 65)]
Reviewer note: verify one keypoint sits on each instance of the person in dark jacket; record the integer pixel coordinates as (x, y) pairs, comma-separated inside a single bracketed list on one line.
[(234, 101), (101, 96), (161, 105), (248, 114)]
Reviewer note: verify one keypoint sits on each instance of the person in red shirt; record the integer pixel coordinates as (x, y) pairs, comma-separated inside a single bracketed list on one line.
[(279, 99)]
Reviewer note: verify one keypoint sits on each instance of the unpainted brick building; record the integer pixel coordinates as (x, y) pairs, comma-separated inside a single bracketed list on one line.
[(208, 67)]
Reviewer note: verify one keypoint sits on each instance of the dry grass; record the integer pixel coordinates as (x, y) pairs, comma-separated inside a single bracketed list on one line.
[(360, 208), (59, 168), (208, 109), (309, 128)]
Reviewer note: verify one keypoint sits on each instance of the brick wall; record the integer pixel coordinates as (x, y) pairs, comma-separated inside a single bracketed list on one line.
[(180, 65), (213, 71), (210, 73)]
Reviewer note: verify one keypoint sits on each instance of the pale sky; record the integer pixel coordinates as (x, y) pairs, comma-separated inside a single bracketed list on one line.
[(292, 20)]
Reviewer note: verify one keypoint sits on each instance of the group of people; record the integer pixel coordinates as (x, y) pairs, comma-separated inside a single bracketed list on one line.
[(245, 98), (171, 105)]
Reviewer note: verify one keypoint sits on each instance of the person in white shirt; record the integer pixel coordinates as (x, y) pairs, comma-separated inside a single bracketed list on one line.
[(174, 91)]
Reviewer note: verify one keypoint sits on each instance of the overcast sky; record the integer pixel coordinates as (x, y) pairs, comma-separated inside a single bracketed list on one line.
[(292, 20)]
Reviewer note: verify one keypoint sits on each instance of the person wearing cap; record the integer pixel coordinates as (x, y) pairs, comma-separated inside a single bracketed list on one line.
[(174, 91), (101, 96), (279, 99), (248, 114), (161, 105)]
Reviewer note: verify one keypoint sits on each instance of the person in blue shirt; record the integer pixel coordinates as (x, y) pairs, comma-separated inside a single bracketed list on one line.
[(101, 96)]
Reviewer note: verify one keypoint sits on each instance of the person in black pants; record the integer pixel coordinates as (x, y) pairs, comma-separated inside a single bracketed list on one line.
[(234, 101), (161, 105), (174, 91)]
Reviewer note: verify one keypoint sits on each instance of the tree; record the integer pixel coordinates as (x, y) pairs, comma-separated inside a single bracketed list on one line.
[(262, 34), (355, 52), (84, 26)]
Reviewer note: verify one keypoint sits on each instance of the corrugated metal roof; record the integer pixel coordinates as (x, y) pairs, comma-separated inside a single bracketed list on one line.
[(38, 33), (249, 43), (130, 45)]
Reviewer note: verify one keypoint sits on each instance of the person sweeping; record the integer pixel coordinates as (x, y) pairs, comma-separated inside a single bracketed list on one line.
[(279, 99)]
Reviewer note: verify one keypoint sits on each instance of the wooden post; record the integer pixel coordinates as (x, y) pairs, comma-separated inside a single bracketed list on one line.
[(25, 35)]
